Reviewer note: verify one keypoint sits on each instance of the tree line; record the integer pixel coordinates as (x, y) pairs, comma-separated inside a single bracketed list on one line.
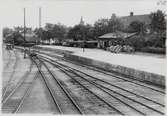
[(60, 32)]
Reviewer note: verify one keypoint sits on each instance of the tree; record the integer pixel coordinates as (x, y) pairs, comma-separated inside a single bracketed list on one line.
[(81, 32), (6, 31), (89, 32), (100, 27), (42, 34), (103, 26), (158, 23), (114, 23), (13, 35), (45, 35), (59, 31), (76, 33), (17, 37), (21, 29), (56, 31), (137, 26), (158, 26), (49, 27), (39, 32)]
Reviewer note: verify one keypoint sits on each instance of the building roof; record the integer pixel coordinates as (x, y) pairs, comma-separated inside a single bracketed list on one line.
[(81, 41), (126, 20), (115, 35), (29, 34), (31, 37)]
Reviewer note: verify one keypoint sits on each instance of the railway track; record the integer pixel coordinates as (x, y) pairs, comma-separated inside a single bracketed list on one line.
[(136, 84), (13, 102), (128, 98), (94, 96), (9, 60), (112, 74), (116, 96), (111, 84), (63, 100), (10, 92), (5, 89)]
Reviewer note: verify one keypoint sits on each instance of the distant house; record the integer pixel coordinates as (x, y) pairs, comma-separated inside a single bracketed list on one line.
[(126, 20), (8, 38), (31, 37)]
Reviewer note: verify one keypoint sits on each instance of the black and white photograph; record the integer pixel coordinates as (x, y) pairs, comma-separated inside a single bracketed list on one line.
[(83, 57)]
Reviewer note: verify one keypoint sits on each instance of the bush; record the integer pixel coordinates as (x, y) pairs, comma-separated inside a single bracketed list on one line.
[(153, 50), (150, 40), (137, 42), (155, 39)]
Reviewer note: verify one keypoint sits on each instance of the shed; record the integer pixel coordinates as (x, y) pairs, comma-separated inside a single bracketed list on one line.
[(114, 38)]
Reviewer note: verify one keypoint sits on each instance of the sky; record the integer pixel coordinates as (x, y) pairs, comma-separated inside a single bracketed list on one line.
[(69, 12)]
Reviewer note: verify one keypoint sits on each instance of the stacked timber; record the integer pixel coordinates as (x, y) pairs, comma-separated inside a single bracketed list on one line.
[(119, 48)]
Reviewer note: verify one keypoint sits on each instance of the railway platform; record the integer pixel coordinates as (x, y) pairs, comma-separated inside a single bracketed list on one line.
[(143, 66)]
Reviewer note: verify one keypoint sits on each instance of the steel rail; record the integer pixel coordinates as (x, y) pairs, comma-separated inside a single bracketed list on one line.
[(64, 90), (95, 84), (93, 93), (48, 87), (28, 91), (106, 72), (113, 91), (114, 85), (9, 60), (10, 79), (17, 86), (115, 97)]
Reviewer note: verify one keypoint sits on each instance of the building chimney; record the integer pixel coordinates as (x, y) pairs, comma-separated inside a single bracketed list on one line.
[(131, 13)]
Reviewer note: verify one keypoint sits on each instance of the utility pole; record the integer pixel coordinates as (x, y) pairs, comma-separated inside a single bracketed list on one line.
[(83, 42), (40, 23), (83, 33), (24, 32)]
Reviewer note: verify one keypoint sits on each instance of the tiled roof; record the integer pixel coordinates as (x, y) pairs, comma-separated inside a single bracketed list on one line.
[(126, 20)]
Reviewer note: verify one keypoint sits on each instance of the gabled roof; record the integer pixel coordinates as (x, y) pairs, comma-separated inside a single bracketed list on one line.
[(115, 35), (9, 35), (126, 20)]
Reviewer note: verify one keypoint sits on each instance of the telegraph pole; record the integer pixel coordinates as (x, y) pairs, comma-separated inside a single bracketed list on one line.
[(83, 33), (40, 23), (84, 42), (40, 17), (24, 32)]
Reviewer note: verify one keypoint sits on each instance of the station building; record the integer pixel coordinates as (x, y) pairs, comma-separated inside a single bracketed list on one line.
[(114, 38)]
